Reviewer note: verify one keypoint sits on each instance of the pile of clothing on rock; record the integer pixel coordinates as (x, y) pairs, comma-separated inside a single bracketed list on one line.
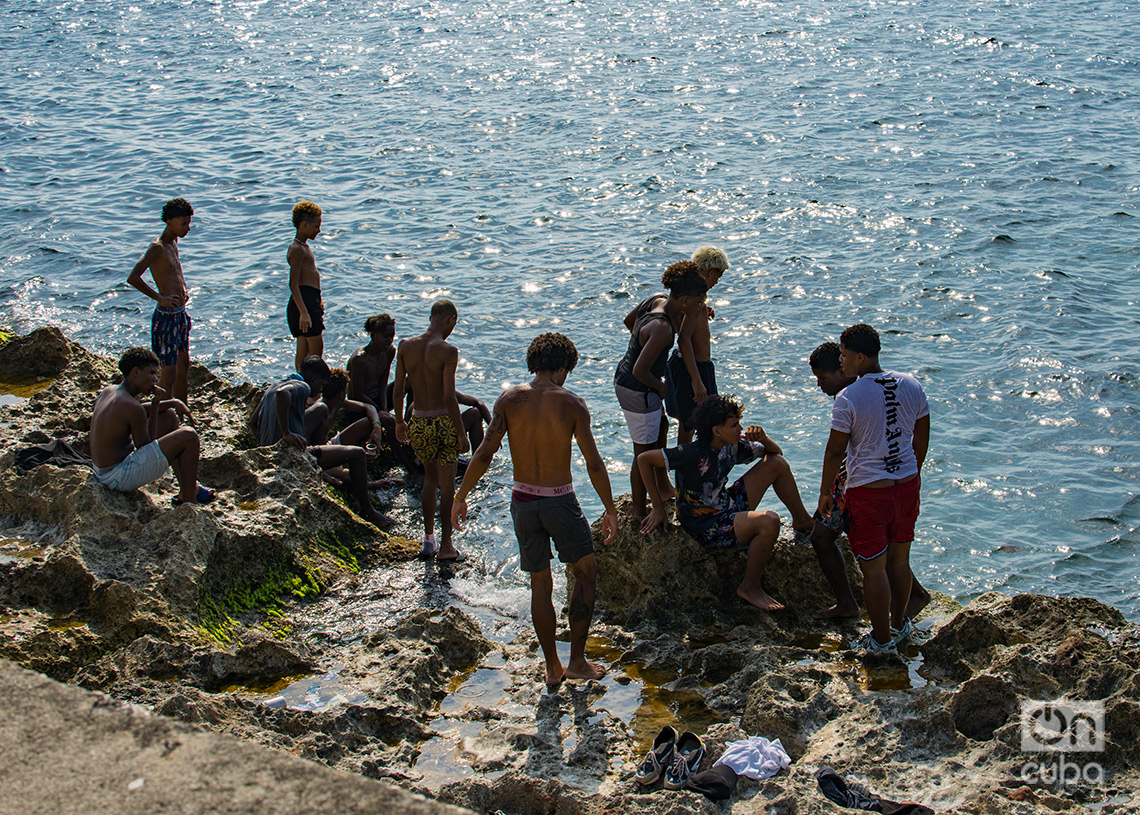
[(676, 761)]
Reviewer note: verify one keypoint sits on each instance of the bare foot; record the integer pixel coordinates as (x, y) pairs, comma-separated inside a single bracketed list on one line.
[(381, 520), (835, 613), (916, 603), (553, 678), (760, 598), (587, 670)]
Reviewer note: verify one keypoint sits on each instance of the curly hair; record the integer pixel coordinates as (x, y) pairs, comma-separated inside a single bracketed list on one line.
[(714, 410), (176, 208), (137, 357), (683, 278), (305, 211), (337, 384), (378, 322), (551, 352), (862, 339), (710, 258), (825, 358)]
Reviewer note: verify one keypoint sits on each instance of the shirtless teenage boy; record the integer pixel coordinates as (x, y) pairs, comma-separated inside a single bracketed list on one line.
[(133, 444), (306, 310), (170, 324), (427, 364), (541, 419)]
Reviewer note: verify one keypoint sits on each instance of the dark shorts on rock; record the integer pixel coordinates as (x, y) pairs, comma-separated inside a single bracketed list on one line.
[(311, 295), (169, 333), (679, 401), (540, 520), (715, 529)]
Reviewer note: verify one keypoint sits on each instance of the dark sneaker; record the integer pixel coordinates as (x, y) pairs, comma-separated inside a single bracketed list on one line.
[(686, 761), (660, 757)]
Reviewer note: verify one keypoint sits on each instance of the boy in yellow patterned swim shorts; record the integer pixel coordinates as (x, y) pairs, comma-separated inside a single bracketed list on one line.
[(426, 365)]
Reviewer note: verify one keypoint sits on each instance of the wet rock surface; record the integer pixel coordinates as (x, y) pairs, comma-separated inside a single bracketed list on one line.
[(205, 615)]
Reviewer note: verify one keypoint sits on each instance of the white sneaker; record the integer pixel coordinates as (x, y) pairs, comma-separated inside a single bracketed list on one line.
[(429, 549)]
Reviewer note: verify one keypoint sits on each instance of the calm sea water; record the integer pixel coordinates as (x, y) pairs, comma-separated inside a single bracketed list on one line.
[(965, 177)]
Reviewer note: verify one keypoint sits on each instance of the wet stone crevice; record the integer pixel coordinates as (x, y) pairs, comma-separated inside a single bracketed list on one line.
[(278, 616)]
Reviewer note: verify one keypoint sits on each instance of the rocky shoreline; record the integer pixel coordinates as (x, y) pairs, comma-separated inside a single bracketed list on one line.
[(175, 609)]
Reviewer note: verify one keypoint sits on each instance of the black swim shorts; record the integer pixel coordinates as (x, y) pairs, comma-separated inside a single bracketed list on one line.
[(312, 297), (539, 520), (679, 402)]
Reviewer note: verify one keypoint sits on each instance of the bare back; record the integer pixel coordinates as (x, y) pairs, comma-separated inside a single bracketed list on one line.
[(541, 421), (116, 423), (429, 364)]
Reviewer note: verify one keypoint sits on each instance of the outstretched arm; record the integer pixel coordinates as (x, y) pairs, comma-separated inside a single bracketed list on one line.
[(478, 465), (833, 456), (596, 468), (398, 385), (689, 357), (921, 439)]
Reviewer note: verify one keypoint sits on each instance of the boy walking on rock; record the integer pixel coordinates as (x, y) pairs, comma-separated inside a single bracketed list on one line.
[(541, 419), (881, 425)]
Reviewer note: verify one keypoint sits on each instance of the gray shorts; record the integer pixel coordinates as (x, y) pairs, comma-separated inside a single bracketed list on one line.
[(539, 521)]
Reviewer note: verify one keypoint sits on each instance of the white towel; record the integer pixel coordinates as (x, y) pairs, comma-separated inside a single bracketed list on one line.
[(755, 757)]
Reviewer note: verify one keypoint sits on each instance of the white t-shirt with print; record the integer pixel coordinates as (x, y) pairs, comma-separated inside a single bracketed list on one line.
[(879, 411)]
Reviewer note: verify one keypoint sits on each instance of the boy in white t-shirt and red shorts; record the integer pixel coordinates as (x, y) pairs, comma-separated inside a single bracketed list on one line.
[(881, 425)]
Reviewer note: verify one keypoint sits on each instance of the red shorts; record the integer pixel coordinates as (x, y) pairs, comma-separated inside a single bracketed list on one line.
[(877, 516)]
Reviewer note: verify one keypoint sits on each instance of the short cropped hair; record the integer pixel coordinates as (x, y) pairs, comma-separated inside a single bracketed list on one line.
[(305, 211), (313, 367), (443, 308), (825, 358), (861, 338), (337, 384), (176, 208), (710, 258), (683, 278), (714, 410), (137, 357), (379, 321), (551, 352)]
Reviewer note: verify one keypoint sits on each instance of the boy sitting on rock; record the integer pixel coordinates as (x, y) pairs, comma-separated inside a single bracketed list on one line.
[(716, 515), (282, 416), (133, 444)]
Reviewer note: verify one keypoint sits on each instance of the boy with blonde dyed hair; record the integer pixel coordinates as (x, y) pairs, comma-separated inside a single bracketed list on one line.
[(690, 375), (306, 310)]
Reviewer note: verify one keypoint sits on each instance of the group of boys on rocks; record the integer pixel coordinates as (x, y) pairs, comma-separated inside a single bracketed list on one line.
[(869, 486)]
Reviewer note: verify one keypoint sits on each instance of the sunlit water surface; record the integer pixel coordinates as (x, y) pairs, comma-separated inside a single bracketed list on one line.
[(965, 177)]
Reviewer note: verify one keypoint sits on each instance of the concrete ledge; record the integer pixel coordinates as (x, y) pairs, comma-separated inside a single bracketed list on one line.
[(66, 750)]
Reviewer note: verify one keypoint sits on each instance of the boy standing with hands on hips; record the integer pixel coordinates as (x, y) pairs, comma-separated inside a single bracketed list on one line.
[(170, 323)]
